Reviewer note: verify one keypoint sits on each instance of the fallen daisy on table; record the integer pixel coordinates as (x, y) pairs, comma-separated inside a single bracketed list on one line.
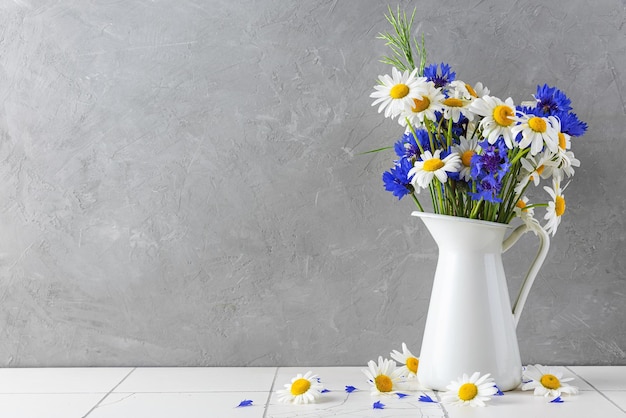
[(547, 381), (474, 390), (384, 377), (409, 361), (303, 389)]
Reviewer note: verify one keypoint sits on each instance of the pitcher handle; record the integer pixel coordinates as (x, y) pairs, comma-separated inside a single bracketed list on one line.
[(544, 246)]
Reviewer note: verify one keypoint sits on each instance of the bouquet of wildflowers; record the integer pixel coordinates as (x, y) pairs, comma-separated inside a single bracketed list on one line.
[(476, 154)]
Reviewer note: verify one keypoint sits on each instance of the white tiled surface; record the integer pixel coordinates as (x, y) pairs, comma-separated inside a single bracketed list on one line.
[(216, 392), (603, 378)]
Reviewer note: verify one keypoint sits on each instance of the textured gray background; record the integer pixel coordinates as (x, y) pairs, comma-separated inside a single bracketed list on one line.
[(181, 181)]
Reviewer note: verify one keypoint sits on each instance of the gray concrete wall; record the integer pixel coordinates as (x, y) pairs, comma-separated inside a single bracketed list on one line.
[(181, 181)]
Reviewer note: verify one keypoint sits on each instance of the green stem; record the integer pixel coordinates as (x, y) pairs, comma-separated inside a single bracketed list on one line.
[(430, 136), (475, 210), (417, 202), (440, 196), (417, 141), (537, 205), (519, 155)]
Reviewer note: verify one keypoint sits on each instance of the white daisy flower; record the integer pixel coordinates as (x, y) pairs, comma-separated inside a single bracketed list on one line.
[(460, 89), (521, 209), (498, 118), (564, 160), (409, 361), (474, 92), (466, 149), (527, 215), (457, 102), (384, 377), (537, 166), (556, 207), (397, 92), (303, 389), (537, 132), (423, 107), (533, 170), (565, 140), (473, 391), (430, 165), (547, 381)]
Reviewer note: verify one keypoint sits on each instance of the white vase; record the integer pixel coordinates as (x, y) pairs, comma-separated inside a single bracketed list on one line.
[(470, 325)]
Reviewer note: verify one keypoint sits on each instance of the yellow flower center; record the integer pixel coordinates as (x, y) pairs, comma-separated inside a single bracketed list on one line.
[(433, 164), (399, 91), (521, 204), (550, 381), (540, 169), (420, 105), (562, 141), (383, 383), (300, 386), (453, 102), (471, 91), (466, 158), (468, 391), (537, 124), (502, 114), (559, 208), (412, 363)]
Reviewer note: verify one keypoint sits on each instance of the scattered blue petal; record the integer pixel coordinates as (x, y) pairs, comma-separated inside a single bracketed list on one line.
[(378, 405), (426, 398), (557, 400), (318, 380), (401, 395), (325, 391), (350, 389), (499, 392), (246, 402)]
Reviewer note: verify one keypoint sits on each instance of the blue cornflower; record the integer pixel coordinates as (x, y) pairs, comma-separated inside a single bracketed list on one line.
[(551, 100), (571, 125), (488, 169), (530, 110), (488, 189), (458, 128), (440, 80), (492, 161), (245, 402), (406, 147), (397, 179), (350, 389)]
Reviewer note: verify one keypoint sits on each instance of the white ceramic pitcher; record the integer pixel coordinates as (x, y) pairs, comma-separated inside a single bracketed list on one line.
[(470, 325)]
